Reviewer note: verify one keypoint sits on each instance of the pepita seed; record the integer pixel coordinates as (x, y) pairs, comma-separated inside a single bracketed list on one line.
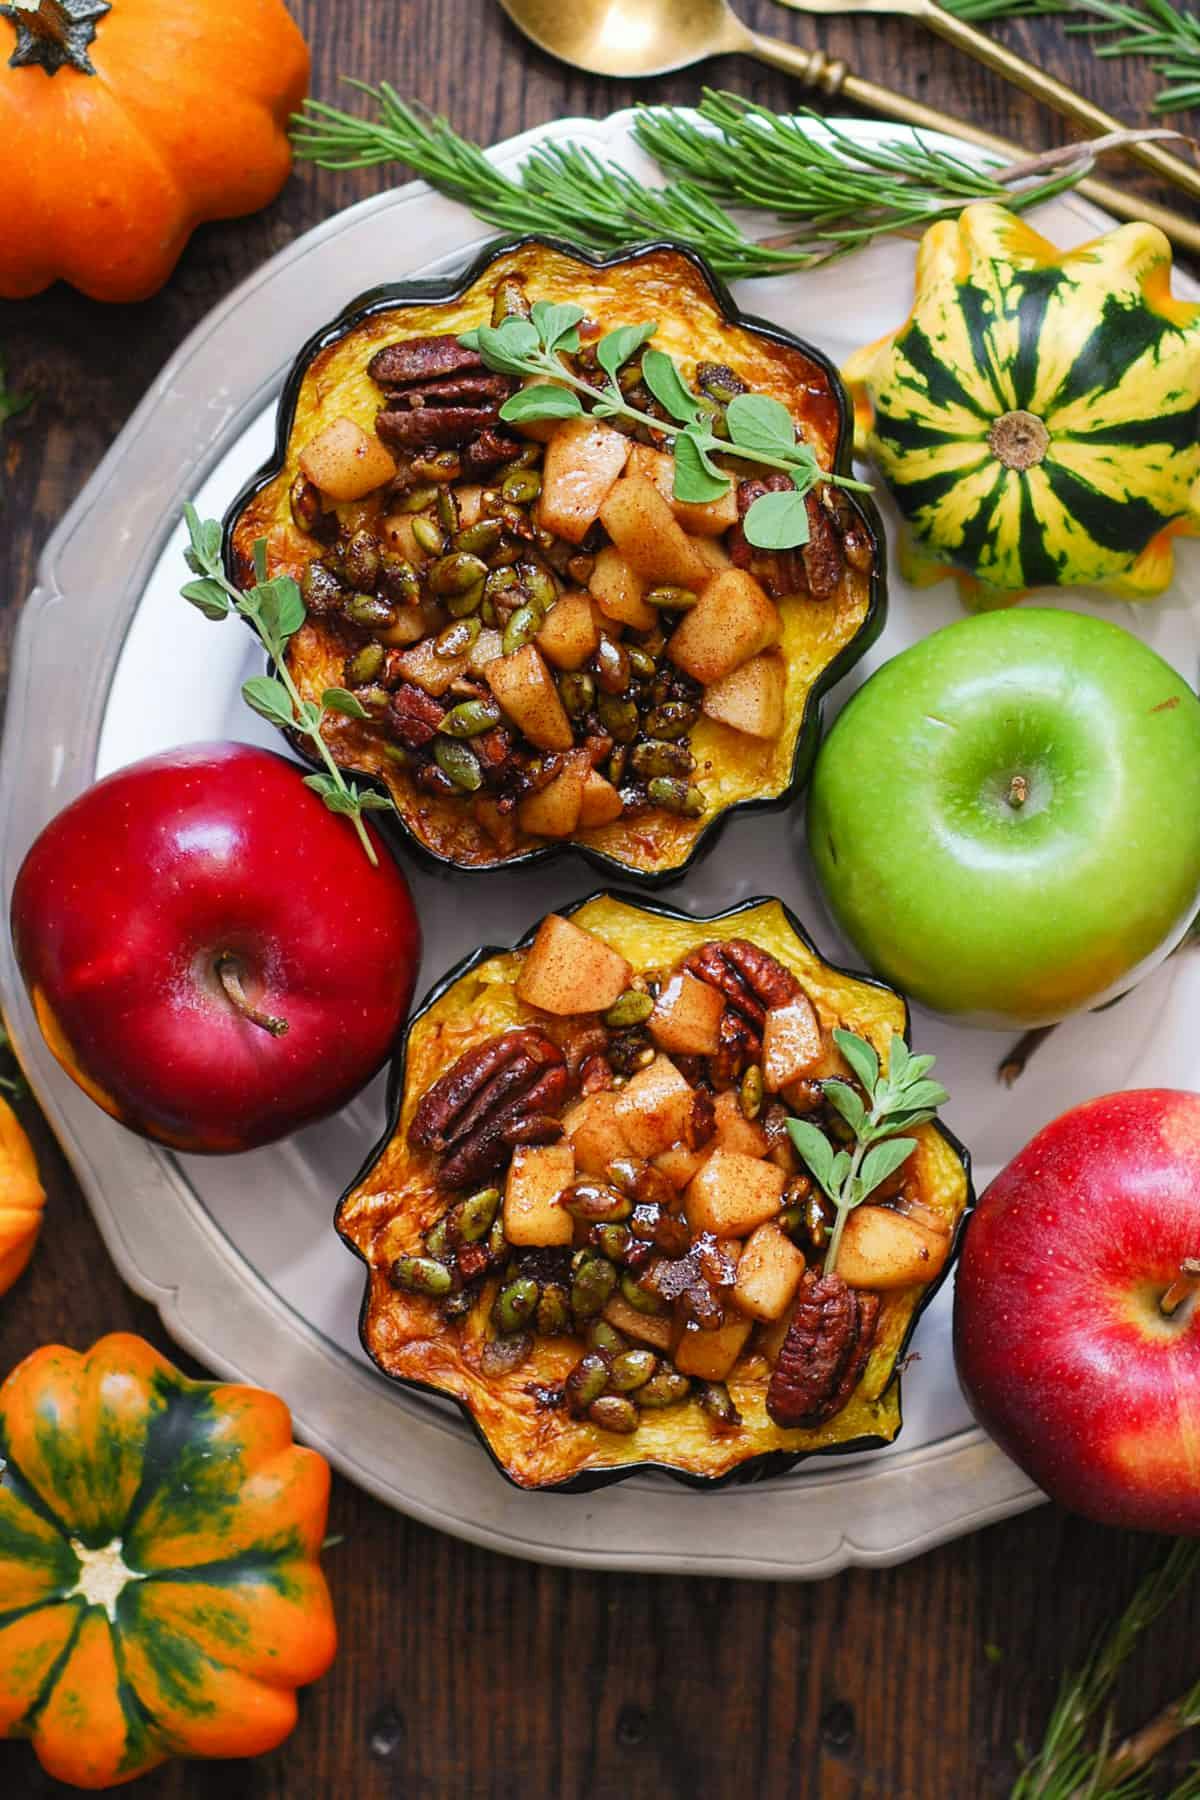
[(365, 666), (524, 624), (673, 794), (577, 691), (603, 1336), (469, 718), (501, 1355), (641, 661), (592, 1288), (553, 1312), (521, 487), (671, 720), (587, 1381), (595, 1203), (631, 1369), (428, 535), (515, 1304), (479, 539), (716, 1402), (611, 663), (459, 763), (360, 562), (672, 599), (539, 584), (477, 1213), (437, 1238), (667, 1388), (629, 1008), (658, 757), (613, 1412), (456, 574), (398, 580), (751, 1091), (447, 510), (457, 639), (369, 611), (320, 588), (417, 498), (638, 1298), (619, 718), (421, 1275), (611, 1240)]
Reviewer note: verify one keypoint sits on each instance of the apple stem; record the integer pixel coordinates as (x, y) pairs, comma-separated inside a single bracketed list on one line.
[(1183, 1287), (229, 975), (1018, 791), (1013, 1066)]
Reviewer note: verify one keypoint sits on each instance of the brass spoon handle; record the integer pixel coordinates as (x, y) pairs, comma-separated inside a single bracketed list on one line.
[(821, 74), (1054, 93)]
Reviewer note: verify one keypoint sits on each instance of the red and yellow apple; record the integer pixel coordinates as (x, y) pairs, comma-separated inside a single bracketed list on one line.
[(1077, 1310), (210, 954)]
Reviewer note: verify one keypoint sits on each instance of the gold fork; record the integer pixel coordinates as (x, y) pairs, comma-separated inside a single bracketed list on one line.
[(1022, 74)]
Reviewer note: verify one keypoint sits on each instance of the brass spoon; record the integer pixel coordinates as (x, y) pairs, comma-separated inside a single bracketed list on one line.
[(1022, 74), (634, 38)]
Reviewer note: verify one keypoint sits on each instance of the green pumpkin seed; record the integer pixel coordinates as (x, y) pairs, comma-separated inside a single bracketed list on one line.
[(630, 1369), (447, 510), (365, 666), (459, 763), (497, 1242), (815, 1222), (672, 599), (673, 794), (457, 639), (613, 1412), (399, 581), (477, 1213), (369, 611), (456, 574), (657, 757), (422, 1275), (417, 498), (611, 1240), (373, 698), (667, 1388), (716, 1402), (674, 719), (509, 301), (612, 665), (629, 1008), (592, 1288), (360, 562), (539, 584), (577, 691), (460, 606), (428, 535), (524, 624), (521, 487), (619, 717), (553, 1312), (320, 588), (479, 539), (587, 1381), (516, 1304), (638, 1298), (641, 662), (524, 459), (595, 1203), (501, 1355), (469, 718), (437, 1238), (752, 1091), (603, 1336), (616, 764)]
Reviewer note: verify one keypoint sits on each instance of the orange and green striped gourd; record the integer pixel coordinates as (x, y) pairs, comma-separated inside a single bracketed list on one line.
[(160, 1593), (1037, 415)]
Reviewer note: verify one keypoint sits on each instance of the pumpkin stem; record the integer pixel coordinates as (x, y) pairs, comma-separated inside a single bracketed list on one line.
[(1182, 1288), (54, 34), (1019, 439), (229, 974)]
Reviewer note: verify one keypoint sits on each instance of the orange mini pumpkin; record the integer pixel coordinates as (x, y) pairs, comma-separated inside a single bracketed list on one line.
[(160, 1593), (130, 123), (21, 1198)]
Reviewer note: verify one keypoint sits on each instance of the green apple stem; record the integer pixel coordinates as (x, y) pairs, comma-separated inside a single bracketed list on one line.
[(230, 976), (1182, 1288), (1018, 792)]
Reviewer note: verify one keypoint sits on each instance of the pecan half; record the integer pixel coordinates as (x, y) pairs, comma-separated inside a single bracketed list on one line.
[(447, 427), (488, 451), (822, 556), (413, 716), (824, 1353), (488, 1147), (422, 359), (454, 390), (450, 1106)]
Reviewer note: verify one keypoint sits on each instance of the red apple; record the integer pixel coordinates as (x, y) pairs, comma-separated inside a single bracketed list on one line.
[(209, 951), (1077, 1317)]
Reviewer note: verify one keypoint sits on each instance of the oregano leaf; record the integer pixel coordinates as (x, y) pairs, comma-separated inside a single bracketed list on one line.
[(757, 422), (860, 1055), (280, 608), (555, 323), (616, 347), (668, 386), (545, 400), (695, 482), (777, 521), (209, 596), (370, 801), (341, 700), (921, 1094), (881, 1161), (815, 1149), (844, 1098), (310, 716), (269, 698), (508, 347)]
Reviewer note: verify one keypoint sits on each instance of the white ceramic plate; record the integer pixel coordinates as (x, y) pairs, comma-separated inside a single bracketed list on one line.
[(239, 1253)]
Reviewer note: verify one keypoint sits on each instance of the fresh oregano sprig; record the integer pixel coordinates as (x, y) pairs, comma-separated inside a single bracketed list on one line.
[(894, 1104), (276, 611), (761, 430)]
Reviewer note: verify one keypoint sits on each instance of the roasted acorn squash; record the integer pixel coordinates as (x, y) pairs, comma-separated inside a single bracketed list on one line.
[(390, 1215), (360, 625)]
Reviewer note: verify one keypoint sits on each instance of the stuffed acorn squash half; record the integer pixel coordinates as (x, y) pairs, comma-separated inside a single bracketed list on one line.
[(588, 1223), (544, 645)]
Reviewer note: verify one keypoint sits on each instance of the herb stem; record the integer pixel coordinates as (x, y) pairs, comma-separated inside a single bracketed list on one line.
[(317, 737)]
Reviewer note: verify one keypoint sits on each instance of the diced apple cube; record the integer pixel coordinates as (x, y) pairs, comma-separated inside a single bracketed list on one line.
[(749, 698), (704, 518), (710, 1355), (537, 1175), (346, 462), (525, 689), (433, 673), (569, 970), (399, 537), (768, 1340), (601, 802), (655, 1107), (408, 627), (883, 1249), (570, 633), (470, 504), (768, 1273), (595, 1132), (687, 1016), (732, 621), (732, 1194), (655, 1329), (618, 591), (583, 460), (734, 1131), (680, 1163), (792, 1043), (486, 648), (554, 810), (648, 535), (713, 553)]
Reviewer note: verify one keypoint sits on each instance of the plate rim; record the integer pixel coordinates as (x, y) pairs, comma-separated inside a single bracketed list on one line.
[(185, 1268)]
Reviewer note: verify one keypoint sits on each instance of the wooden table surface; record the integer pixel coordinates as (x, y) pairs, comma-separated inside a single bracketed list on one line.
[(462, 1673)]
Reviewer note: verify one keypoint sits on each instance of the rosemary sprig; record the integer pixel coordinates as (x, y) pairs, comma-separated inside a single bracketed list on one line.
[(760, 430), (894, 1104), (840, 193), (1067, 1766), (276, 611), (1168, 35)]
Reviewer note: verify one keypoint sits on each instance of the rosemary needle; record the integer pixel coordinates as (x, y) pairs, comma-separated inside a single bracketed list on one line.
[(831, 191), (1168, 35)]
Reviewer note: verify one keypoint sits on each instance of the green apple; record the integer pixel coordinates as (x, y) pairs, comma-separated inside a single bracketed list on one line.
[(1006, 817)]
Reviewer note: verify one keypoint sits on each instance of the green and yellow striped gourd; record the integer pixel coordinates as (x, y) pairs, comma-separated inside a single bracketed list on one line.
[(1036, 416)]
